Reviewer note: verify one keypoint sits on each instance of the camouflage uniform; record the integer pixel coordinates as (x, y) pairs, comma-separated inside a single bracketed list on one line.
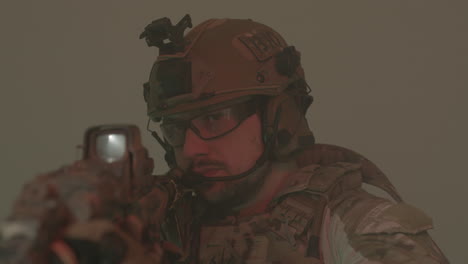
[(324, 216)]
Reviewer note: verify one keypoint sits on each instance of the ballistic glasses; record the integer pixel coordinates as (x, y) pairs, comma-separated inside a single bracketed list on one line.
[(210, 125)]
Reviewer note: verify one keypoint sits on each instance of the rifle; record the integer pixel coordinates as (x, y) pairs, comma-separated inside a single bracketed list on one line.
[(109, 196)]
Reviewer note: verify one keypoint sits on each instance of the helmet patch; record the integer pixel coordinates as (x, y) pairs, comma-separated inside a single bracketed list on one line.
[(263, 44)]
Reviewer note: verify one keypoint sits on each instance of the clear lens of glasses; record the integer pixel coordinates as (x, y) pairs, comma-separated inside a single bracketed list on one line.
[(207, 126)]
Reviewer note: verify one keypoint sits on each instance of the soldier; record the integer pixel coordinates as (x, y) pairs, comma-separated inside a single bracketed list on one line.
[(230, 98)]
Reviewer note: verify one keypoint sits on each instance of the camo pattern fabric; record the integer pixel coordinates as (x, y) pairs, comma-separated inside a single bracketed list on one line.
[(352, 227), (387, 233)]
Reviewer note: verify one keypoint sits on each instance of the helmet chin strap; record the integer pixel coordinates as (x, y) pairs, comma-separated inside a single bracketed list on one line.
[(192, 179)]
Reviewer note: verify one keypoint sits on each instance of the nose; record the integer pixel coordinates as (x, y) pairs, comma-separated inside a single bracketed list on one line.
[(194, 145)]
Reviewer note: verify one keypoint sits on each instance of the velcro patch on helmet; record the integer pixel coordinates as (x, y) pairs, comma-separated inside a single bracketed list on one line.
[(263, 44)]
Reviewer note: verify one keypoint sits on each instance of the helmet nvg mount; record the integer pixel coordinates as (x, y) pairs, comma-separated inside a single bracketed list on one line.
[(223, 61)]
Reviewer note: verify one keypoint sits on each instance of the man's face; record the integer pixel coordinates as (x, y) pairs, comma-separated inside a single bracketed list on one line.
[(230, 154)]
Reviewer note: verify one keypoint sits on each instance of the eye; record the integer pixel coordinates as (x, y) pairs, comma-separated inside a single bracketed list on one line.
[(214, 116), (224, 114)]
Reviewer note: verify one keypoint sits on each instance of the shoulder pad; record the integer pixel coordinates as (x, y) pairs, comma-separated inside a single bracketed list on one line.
[(320, 179), (325, 154), (396, 218)]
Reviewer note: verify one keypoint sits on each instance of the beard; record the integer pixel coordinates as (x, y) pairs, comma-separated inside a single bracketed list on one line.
[(227, 195)]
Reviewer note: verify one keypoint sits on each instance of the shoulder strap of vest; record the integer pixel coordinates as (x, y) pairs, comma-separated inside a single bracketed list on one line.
[(322, 180), (299, 208), (325, 155)]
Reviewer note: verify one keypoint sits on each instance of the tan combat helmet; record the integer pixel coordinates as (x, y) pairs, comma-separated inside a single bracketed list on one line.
[(225, 61)]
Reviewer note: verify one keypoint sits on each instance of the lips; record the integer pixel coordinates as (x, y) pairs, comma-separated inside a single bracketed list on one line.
[(207, 171)]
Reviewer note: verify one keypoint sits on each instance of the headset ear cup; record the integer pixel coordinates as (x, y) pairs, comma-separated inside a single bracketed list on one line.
[(269, 117), (291, 133)]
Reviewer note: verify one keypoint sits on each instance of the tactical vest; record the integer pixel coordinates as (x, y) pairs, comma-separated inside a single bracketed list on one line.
[(289, 232)]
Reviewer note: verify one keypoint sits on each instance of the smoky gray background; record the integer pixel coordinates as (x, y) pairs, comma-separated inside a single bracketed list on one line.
[(389, 80)]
